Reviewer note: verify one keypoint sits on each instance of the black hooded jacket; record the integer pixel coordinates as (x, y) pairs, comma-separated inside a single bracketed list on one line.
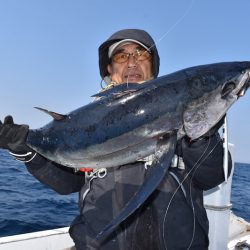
[(173, 217)]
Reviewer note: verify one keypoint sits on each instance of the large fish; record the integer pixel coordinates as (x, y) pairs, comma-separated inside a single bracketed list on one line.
[(132, 121), (125, 125)]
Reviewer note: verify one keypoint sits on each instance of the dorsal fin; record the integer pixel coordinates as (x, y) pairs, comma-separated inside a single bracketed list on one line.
[(56, 116)]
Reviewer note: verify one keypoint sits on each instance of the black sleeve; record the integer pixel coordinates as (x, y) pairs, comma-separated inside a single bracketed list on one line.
[(61, 179), (204, 158)]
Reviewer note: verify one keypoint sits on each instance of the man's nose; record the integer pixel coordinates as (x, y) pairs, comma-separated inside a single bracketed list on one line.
[(132, 62)]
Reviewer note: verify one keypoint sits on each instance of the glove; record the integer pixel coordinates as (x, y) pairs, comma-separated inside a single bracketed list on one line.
[(13, 138)]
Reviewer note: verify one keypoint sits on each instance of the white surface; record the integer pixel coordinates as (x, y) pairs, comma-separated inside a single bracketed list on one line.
[(218, 199), (56, 239)]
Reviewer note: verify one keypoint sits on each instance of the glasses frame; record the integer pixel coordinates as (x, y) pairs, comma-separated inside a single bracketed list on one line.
[(136, 54)]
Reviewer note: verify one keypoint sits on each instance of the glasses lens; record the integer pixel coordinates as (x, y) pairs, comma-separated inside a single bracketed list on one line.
[(142, 54), (120, 57)]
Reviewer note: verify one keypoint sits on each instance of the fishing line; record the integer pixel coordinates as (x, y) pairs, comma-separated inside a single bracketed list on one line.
[(175, 24), (175, 192), (196, 165), (188, 9), (190, 189)]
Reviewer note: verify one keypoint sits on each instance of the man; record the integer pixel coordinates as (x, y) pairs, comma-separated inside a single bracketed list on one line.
[(173, 217)]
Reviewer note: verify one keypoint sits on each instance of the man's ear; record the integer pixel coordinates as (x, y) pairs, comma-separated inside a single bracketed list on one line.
[(109, 69)]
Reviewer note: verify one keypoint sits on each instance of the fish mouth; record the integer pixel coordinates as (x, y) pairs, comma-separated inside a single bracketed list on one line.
[(231, 87), (245, 87)]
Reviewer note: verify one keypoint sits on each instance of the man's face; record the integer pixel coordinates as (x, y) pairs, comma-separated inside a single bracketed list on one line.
[(132, 70)]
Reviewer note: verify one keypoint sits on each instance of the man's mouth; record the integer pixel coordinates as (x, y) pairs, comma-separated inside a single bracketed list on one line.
[(133, 77)]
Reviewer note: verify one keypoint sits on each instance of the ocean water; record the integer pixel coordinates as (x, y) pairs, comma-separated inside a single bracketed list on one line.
[(240, 196), (26, 205)]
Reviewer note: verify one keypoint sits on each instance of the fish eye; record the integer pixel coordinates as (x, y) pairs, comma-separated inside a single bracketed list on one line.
[(227, 89)]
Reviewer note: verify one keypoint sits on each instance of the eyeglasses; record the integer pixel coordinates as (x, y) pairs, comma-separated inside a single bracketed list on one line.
[(139, 55)]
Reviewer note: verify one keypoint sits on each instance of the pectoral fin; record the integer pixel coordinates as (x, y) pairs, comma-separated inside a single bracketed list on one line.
[(159, 168)]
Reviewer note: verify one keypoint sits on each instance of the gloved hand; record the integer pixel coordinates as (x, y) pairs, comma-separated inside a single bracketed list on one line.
[(13, 137)]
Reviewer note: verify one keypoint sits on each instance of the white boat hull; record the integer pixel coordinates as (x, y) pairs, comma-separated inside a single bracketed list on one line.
[(56, 239)]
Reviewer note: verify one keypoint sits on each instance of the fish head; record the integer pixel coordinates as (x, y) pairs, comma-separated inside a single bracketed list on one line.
[(243, 84), (213, 90)]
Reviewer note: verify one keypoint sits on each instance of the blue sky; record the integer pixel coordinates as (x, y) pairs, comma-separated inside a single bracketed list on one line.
[(48, 52)]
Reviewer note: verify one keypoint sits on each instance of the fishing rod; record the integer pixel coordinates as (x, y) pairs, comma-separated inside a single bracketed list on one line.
[(225, 147)]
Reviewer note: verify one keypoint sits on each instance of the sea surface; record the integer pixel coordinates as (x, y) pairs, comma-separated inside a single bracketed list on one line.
[(26, 205)]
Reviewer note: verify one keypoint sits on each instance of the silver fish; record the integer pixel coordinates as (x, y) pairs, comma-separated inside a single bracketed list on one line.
[(125, 126), (131, 122)]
